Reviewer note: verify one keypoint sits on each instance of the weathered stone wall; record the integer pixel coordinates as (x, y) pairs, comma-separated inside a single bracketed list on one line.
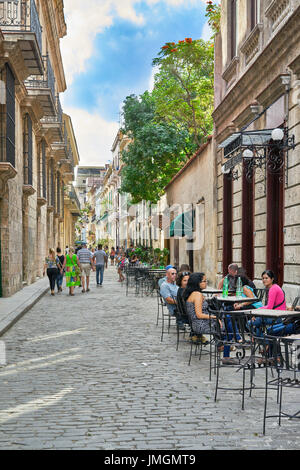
[(196, 183), (237, 90)]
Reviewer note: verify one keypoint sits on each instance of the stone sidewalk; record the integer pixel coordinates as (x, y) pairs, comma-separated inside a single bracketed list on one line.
[(14, 307), (90, 372)]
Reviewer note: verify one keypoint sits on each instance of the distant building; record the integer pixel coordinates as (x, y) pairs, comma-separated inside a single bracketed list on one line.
[(86, 178)]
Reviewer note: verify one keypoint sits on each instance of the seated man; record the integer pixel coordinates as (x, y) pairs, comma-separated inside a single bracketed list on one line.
[(163, 279), (232, 272), (168, 290)]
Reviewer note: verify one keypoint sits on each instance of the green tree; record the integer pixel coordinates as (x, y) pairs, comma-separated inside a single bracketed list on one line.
[(184, 86), (156, 153)]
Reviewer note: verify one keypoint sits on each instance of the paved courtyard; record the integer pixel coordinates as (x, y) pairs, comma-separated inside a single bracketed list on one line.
[(90, 372)]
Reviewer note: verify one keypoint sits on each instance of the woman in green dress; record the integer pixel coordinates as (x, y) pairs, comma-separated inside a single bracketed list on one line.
[(72, 271)]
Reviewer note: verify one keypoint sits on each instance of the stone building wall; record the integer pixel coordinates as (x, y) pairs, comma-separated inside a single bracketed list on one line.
[(30, 222), (194, 184), (240, 83)]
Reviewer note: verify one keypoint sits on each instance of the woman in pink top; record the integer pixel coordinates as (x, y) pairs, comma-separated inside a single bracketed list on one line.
[(275, 295), (275, 301)]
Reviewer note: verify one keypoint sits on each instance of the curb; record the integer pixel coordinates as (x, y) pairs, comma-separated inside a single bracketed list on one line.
[(14, 314)]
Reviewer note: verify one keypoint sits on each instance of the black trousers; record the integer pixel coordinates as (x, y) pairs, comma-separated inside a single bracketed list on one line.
[(52, 275)]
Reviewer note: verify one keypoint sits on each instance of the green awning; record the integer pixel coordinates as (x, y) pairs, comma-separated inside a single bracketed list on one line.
[(182, 225), (104, 216)]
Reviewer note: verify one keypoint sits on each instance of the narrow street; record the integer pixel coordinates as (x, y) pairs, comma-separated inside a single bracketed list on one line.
[(90, 372)]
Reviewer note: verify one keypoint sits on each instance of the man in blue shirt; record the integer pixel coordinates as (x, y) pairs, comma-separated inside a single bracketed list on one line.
[(168, 289)]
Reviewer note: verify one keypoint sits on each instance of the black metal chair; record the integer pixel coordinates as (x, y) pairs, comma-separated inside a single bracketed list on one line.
[(130, 275), (234, 334), (166, 317), (182, 319), (285, 361), (261, 294)]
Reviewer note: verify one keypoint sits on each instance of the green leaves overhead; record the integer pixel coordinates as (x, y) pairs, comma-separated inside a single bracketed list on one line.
[(156, 152), (184, 86), (167, 125)]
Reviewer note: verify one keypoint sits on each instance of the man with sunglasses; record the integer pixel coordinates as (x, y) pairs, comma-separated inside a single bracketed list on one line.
[(168, 289)]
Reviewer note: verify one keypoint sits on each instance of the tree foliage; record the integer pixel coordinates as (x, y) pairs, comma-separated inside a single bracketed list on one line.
[(167, 125), (183, 89), (156, 152)]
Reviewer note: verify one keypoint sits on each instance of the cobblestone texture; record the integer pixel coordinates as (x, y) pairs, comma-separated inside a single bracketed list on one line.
[(90, 372)]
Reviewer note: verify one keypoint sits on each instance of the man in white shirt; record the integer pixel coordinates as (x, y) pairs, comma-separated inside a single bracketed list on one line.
[(85, 260)]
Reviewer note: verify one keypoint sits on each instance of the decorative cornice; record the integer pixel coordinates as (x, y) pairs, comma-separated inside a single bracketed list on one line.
[(230, 73), (41, 201), (7, 172), (28, 190), (252, 44)]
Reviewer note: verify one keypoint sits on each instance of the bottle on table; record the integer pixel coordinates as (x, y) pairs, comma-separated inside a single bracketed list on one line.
[(225, 287), (239, 288)]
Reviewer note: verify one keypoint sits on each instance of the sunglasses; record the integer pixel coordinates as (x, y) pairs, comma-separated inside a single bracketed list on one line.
[(186, 273)]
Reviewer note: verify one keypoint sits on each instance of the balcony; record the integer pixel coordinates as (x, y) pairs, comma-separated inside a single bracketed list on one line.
[(67, 164), (20, 25), (53, 124), (72, 202), (43, 89), (277, 12)]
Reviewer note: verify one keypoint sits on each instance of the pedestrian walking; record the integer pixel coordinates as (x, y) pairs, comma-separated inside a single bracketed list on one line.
[(61, 263), (52, 270), (85, 259), (99, 258), (112, 256), (72, 271), (106, 252)]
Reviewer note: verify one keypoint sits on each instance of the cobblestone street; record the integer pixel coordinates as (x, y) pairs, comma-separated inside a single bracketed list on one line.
[(91, 372)]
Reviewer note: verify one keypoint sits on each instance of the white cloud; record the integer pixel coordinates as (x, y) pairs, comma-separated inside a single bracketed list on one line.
[(94, 136), (85, 20), (206, 32)]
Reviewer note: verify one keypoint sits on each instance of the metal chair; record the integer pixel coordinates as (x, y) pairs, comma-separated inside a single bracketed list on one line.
[(233, 334), (285, 362)]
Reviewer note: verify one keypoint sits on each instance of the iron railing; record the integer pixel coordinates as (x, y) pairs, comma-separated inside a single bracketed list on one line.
[(57, 119), (73, 195), (20, 16), (47, 80)]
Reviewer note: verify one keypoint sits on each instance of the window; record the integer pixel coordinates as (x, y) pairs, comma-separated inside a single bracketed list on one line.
[(44, 169), (10, 116), (27, 149), (233, 29), (254, 13)]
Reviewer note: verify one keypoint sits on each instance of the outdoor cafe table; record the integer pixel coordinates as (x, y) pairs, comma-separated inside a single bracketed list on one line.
[(264, 312), (233, 299)]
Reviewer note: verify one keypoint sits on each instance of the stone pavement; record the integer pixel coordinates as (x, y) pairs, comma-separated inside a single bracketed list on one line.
[(90, 372)]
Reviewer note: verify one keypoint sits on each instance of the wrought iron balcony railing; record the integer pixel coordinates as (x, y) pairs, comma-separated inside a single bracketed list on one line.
[(73, 195), (47, 80), (20, 16)]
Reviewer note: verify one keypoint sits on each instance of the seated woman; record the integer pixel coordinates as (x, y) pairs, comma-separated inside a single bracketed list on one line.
[(197, 310), (181, 281), (248, 291), (275, 301)]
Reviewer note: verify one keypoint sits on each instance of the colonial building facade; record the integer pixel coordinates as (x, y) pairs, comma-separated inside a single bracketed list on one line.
[(37, 156), (257, 77)]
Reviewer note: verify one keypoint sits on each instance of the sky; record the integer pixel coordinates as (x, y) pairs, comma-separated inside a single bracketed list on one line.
[(107, 55)]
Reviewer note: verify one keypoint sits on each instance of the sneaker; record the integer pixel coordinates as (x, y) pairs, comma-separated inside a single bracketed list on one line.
[(230, 361), (83, 290), (88, 290)]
